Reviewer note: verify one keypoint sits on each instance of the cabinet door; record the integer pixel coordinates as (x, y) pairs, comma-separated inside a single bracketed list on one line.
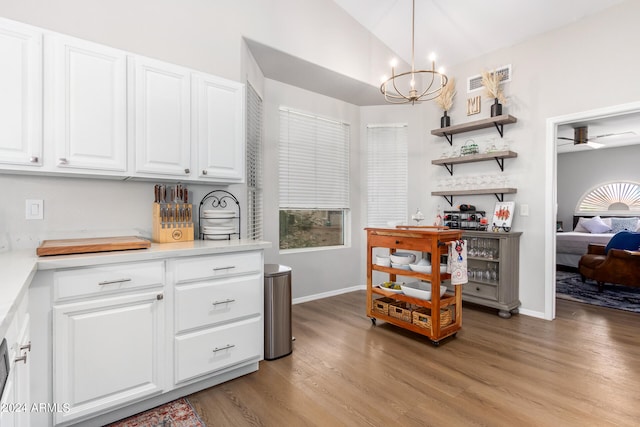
[(21, 372), (107, 353), (21, 94), (162, 118), (219, 128), (88, 108)]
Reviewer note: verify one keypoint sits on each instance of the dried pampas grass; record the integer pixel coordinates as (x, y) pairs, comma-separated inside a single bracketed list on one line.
[(445, 99), (491, 83)]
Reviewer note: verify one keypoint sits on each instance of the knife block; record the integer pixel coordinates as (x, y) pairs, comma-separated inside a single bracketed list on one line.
[(171, 231)]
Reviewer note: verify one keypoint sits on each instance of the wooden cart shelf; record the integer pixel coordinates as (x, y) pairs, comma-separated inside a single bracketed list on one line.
[(433, 240)]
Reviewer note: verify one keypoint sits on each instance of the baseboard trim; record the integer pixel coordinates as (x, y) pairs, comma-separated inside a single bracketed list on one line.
[(329, 294)]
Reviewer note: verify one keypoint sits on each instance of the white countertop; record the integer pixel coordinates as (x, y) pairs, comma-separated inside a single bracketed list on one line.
[(17, 268)]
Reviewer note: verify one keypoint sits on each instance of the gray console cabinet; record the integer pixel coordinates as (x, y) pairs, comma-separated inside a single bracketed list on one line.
[(493, 264)]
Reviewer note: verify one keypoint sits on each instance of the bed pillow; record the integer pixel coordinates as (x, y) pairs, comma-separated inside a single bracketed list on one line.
[(579, 228), (626, 240), (596, 225), (624, 224)]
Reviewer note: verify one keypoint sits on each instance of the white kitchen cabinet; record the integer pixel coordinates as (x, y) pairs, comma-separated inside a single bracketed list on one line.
[(86, 87), (162, 117), (108, 349), (16, 401), (218, 313), (21, 96), (219, 130)]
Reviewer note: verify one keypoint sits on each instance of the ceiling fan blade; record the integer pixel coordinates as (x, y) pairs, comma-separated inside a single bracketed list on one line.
[(594, 145), (564, 137), (606, 135)]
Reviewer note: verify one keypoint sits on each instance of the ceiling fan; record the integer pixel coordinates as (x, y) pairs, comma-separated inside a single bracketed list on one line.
[(580, 136)]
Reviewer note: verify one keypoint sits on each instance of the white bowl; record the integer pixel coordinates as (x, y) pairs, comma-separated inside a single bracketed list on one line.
[(383, 261), (402, 258), (421, 290), (400, 266), (420, 268)]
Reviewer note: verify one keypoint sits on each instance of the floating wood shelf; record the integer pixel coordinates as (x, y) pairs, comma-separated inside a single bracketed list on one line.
[(497, 121), (498, 192), (499, 156)]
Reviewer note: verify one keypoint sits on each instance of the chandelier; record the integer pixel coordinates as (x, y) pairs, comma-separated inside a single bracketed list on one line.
[(389, 86)]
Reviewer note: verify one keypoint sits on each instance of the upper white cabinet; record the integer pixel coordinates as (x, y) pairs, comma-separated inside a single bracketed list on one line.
[(219, 128), (162, 117), (87, 88), (21, 94)]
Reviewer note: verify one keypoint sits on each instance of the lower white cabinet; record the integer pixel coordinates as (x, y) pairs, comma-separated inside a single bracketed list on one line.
[(108, 349)]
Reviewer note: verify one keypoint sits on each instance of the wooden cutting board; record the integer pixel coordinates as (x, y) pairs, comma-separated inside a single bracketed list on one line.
[(96, 244)]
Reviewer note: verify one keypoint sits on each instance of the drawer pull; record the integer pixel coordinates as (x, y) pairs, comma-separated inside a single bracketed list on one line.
[(26, 346), (223, 302), (111, 282), (224, 268), (22, 358), (226, 347)]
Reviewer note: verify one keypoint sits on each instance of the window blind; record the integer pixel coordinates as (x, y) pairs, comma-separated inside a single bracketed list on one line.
[(254, 164), (387, 176), (314, 162)]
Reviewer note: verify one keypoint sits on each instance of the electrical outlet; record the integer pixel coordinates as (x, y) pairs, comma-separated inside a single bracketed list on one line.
[(34, 209)]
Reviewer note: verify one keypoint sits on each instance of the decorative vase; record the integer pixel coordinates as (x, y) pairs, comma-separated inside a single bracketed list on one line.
[(445, 121), (496, 108)]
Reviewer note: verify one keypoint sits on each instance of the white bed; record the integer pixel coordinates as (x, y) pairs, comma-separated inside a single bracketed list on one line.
[(570, 246)]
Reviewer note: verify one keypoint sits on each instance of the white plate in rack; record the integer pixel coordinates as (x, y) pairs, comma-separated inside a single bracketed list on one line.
[(216, 237), (218, 214), (219, 222), (207, 229)]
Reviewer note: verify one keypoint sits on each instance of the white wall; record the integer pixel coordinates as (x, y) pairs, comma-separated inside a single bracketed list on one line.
[(582, 171), (319, 272)]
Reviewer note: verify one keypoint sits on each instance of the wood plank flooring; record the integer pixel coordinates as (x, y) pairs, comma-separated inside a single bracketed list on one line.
[(582, 369)]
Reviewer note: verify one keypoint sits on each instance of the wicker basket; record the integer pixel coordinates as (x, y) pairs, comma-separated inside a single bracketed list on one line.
[(422, 317), (381, 305), (400, 310)]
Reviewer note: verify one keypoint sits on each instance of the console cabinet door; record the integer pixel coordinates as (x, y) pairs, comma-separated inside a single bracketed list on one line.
[(20, 94), (162, 118), (107, 353), (219, 108), (88, 88)]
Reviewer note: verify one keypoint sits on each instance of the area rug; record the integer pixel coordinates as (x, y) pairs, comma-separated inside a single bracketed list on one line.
[(569, 286), (178, 413)]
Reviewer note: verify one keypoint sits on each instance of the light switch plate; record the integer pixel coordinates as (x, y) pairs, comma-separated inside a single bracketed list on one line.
[(524, 210), (34, 209)]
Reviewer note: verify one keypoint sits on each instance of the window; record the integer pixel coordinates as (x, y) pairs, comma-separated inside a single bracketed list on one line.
[(314, 180), (254, 164), (387, 176), (620, 197)]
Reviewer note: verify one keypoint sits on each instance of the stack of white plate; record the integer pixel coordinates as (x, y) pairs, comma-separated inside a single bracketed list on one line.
[(218, 232), (217, 217)]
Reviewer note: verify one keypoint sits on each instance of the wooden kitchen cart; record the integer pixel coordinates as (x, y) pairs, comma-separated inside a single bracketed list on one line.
[(433, 240)]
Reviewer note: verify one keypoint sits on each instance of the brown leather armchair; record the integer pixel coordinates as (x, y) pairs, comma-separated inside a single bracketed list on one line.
[(617, 266)]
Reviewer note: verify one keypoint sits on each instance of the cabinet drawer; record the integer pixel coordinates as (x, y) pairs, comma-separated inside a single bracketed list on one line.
[(481, 290), (104, 280), (211, 350), (207, 303), (214, 266)]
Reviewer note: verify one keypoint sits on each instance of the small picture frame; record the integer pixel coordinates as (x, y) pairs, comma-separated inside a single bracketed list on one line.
[(559, 226), (502, 216)]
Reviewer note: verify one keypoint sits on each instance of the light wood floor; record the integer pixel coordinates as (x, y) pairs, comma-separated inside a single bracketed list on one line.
[(583, 369)]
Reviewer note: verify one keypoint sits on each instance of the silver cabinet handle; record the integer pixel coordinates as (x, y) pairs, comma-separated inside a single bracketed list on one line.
[(111, 282), (34, 159), (26, 346), (22, 358), (62, 161), (204, 172), (226, 347), (187, 170), (229, 267), (227, 301)]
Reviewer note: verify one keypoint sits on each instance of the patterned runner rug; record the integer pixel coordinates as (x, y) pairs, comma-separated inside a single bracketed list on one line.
[(178, 413), (569, 286)]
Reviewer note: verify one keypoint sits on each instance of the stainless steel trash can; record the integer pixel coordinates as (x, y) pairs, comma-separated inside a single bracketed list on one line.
[(277, 311)]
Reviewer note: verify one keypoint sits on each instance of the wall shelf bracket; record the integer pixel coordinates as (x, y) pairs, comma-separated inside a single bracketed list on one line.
[(449, 137), (500, 161), (500, 128), (449, 199), (500, 196), (449, 167)]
